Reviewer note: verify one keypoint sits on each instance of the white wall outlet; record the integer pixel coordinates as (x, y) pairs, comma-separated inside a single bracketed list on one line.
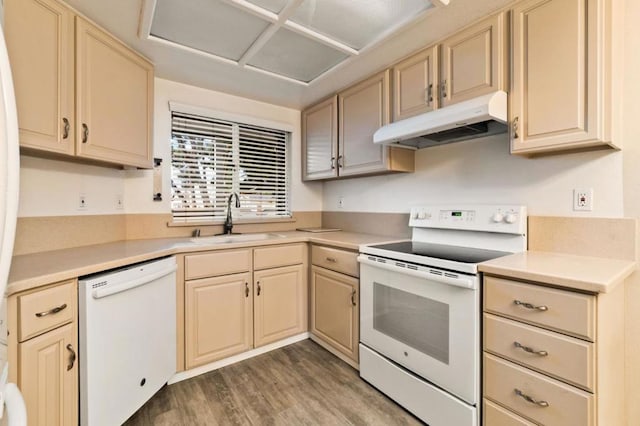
[(119, 202), (82, 202), (583, 199), (341, 202)]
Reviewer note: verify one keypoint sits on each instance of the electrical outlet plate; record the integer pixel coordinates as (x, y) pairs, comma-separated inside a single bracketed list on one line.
[(583, 199), (82, 202), (341, 202), (119, 202)]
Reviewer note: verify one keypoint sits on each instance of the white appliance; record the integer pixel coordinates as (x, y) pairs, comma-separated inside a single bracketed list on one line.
[(420, 308), (479, 117), (9, 184), (127, 339)]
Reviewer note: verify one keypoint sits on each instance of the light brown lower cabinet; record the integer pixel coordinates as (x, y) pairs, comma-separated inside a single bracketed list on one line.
[(49, 377), (219, 318), (334, 310), (279, 298)]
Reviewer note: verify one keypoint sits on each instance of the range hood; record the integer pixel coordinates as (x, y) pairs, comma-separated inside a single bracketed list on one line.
[(479, 117)]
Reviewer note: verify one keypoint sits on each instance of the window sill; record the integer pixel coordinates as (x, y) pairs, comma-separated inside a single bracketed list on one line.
[(173, 224)]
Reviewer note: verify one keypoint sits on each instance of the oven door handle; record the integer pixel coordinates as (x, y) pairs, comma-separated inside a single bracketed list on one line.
[(459, 281)]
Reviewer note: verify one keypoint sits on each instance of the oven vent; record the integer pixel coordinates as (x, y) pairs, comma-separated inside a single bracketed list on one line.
[(371, 258), (448, 275), (431, 271)]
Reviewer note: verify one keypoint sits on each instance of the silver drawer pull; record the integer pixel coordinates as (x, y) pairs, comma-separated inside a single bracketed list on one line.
[(331, 259), (530, 350), (52, 311), (530, 306), (531, 400)]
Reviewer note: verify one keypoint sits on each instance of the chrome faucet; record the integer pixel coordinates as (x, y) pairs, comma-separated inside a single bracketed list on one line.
[(228, 223)]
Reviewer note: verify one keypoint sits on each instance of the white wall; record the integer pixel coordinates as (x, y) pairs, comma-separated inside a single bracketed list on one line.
[(139, 183), (52, 188), (483, 171)]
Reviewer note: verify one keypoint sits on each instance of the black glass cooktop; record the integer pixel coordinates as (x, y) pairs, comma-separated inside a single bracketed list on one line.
[(441, 251)]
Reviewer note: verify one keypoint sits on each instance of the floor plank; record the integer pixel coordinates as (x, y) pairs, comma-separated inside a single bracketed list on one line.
[(300, 384)]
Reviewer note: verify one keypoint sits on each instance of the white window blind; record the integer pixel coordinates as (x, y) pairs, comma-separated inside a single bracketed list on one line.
[(212, 158)]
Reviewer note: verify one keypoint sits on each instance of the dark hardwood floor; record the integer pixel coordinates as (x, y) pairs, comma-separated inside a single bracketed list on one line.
[(300, 384)]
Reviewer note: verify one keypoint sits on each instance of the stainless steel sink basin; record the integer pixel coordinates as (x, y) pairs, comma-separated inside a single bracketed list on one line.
[(238, 238)]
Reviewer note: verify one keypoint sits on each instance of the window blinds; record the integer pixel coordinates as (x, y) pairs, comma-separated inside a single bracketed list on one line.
[(211, 159)]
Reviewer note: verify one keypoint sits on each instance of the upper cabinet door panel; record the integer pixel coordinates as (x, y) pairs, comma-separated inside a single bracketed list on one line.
[(115, 99), (363, 109), (559, 75), (320, 140), (40, 42), (414, 81), (474, 61)]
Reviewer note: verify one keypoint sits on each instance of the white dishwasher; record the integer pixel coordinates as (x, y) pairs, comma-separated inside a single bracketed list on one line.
[(127, 339)]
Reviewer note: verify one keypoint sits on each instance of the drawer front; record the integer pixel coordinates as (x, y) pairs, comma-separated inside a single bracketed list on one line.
[(44, 310), (336, 260), (275, 257), (567, 406), (567, 358), (495, 415), (217, 263), (561, 310)]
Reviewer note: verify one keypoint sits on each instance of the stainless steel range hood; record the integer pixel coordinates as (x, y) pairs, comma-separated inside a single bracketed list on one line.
[(475, 118)]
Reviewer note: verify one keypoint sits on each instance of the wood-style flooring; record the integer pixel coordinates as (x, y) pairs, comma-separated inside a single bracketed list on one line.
[(300, 384)]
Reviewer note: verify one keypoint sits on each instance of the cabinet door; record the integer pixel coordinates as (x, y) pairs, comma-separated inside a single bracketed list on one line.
[(39, 36), (49, 377), (558, 84), (363, 109), (280, 303), (474, 61), (414, 81), (114, 99), (320, 140), (218, 318), (334, 310)]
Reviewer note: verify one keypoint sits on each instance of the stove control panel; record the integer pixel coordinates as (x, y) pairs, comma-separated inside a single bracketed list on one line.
[(510, 219)]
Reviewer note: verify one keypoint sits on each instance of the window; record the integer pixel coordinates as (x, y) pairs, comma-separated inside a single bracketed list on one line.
[(212, 158)]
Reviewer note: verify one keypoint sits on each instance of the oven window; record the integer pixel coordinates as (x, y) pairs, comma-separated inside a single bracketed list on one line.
[(416, 321)]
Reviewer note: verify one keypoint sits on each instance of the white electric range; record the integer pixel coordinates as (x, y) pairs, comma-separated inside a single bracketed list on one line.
[(420, 310)]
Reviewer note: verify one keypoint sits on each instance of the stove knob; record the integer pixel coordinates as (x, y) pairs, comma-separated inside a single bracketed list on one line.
[(422, 215), (497, 217), (510, 218), (415, 215)]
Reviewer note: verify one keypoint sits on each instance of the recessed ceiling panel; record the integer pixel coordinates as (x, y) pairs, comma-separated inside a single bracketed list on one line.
[(356, 23), (294, 56), (274, 6), (208, 25)]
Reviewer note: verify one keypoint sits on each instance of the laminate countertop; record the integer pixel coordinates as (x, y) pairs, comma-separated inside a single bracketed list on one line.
[(591, 274), (38, 269)]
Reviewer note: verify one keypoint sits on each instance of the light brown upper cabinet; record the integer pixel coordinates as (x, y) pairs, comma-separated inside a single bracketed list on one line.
[(79, 91), (474, 61), (560, 94), (471, 63), (359, 111), (320, 145), (415, 83)]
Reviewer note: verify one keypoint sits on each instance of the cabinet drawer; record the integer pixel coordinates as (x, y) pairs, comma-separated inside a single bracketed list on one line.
[(46, 309), (274, 257), (561, 310), (336, 260), (495, 415), (567, 358), (567, 406), (216, 263)]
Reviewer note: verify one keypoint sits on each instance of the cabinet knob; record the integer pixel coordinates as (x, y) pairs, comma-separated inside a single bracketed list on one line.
[(333, 163), (85, 133), (444, 89), (353, 297), (530, 350), (65, 128), (515, 128), (530, 399), (246, 289), (340, 161), (52, 311), (541, 308), (259, 288), (428, 94)]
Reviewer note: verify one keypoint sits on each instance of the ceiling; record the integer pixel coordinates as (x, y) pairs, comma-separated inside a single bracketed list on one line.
[(285, 52)]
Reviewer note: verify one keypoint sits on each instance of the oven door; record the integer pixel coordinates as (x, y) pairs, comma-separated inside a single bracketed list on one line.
[(427, 323)]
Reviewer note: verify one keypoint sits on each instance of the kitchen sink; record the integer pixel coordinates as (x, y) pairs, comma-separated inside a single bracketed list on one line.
[(237, 238)]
